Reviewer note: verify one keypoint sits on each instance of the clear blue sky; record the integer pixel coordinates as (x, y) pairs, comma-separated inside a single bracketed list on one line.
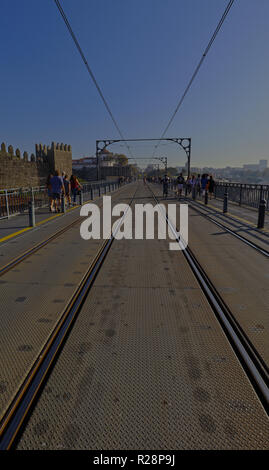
[(143, 53)]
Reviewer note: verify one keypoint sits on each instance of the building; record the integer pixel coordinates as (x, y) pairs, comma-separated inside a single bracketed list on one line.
[(262, 165), (88, 162)]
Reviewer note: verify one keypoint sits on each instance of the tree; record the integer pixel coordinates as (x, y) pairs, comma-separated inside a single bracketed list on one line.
[(122, 159)]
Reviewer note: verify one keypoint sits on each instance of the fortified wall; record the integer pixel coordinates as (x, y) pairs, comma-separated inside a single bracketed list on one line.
[(20, 171)]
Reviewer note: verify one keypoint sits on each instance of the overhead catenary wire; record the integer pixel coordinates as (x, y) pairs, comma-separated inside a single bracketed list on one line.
[(57, 2), (227, 9)]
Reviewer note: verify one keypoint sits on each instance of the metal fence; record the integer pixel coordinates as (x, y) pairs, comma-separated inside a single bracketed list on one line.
[(16, 201), (243, 194)]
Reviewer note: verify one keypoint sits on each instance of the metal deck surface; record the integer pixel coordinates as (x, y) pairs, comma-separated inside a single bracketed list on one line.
[(33, 297), (147, 365)]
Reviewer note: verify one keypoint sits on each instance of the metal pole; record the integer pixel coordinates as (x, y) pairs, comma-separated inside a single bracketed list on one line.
[(206, 196), (225, 202), (261, 216), (31, 213), (189, 160), (97, 161), (240, 195)]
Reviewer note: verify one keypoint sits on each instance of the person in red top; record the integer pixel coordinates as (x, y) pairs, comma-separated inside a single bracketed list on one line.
[(75, 187)]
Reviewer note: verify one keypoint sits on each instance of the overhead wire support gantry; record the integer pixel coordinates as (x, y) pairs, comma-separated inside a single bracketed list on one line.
[(184, 142)]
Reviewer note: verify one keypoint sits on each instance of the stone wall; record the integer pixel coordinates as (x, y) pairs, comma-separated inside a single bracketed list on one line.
[(20, 171)]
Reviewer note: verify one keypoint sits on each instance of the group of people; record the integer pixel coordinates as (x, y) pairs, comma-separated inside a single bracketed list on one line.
[(60, 186), (200, 183)]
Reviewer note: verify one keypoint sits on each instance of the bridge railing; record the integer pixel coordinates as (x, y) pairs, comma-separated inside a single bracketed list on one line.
[(243, 194), (16, 200)]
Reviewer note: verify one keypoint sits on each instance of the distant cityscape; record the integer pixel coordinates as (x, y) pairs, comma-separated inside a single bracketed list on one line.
[(256, 173), (249, 173)]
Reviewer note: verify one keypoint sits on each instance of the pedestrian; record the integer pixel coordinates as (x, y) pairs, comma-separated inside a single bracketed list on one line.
[(67, 189), (75, 187), (165, 185), (204, 181), (211, 186), (49, 189), (193, 184), (57, 188), (198, 184), (180, 182), (188, 184)]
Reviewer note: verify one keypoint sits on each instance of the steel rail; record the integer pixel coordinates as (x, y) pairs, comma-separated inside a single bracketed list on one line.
[(254, 366), (18, 411), (4, 269)]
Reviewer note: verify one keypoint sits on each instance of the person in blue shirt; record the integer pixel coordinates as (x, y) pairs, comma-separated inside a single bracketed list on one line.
[(204, 181), (57, 188)]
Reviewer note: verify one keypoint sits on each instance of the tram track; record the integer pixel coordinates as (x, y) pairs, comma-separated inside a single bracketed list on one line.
[(22, 403), (253, 364), (22, 257)]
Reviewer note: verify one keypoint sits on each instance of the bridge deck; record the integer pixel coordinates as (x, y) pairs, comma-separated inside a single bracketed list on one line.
[(147, 365)]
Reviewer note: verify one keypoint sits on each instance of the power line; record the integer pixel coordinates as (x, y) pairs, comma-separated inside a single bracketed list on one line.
[(57, 2), (197, 69)]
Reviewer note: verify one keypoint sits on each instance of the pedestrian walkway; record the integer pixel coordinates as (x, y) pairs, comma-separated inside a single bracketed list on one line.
[(147, 365), (244, 214)]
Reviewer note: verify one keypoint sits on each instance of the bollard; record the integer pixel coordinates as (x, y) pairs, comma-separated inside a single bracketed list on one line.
[(7, 205), (63, 208), (31, 214), (206, 196), (81, 198), (91, 194), (186, 190), (99, 191), (240, 195), (261, 216), (225, 202), (193, 192)]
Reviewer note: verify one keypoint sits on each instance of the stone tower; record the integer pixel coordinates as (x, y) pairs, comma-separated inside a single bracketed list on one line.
[(58, 156)]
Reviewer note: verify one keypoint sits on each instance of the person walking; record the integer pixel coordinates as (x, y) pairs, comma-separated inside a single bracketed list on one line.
[(49, 189), (198, 184), (57, 188), (204, 181), (67, 189), (180, 182), (75, 187), (165, 185), (211, 186), (193, 184), (188, 185)]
